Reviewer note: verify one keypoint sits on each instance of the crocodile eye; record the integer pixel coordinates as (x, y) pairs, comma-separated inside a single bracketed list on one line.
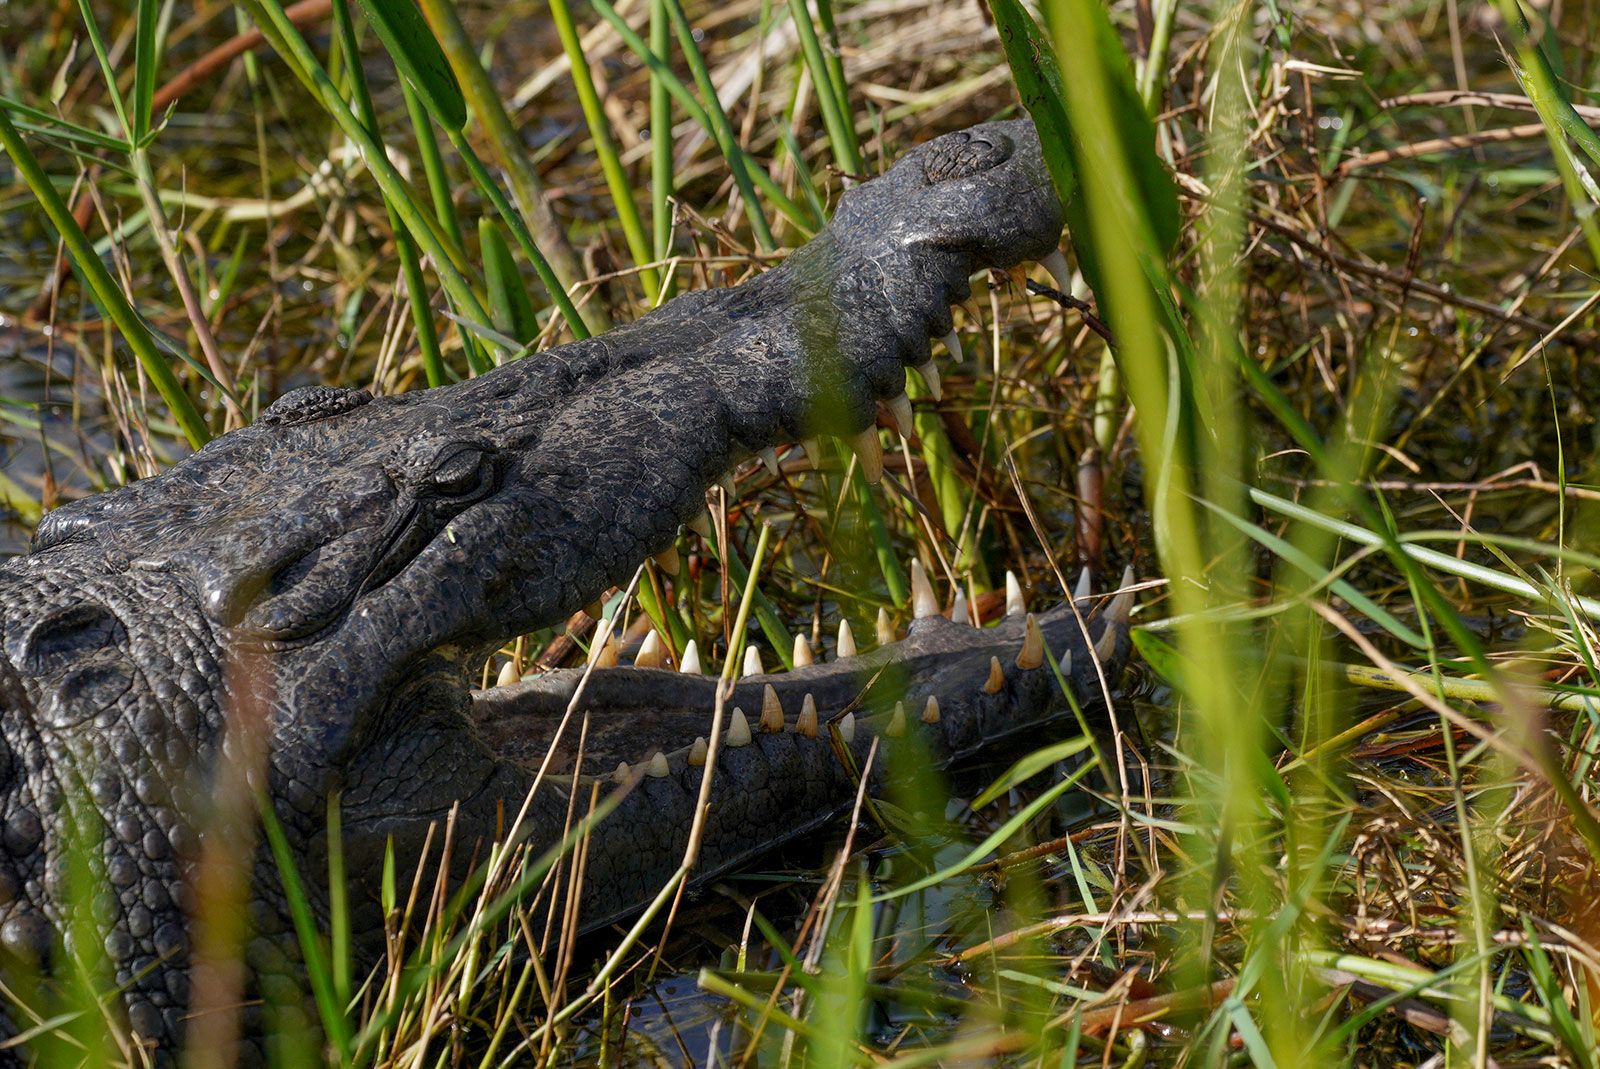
[(466, 472)]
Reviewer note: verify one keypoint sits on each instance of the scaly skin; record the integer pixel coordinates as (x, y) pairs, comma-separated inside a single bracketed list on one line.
[(333, 573)]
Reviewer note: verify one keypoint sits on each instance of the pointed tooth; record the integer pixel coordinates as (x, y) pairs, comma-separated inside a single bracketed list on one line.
[(900, 409), (1106, 645), (847, 640), (691, 658), (813, 450), (923, 603), (806, 723), (603, 649), (897, 721), (930, 374), (885, 628), (697, 752), (738, 729), (847, 728), (752, 662), (1121, 606), (726, 482), (930, 711), (771, 710), (508, 674), (667, 560), (1016, 604), (701, 525), (997, 677), (1056, 264), (958, 609), (1031, 655), (869, 451), (658, 766), (769, 457), (623, 773), (802, 652), (1085, 585), (651, 654)]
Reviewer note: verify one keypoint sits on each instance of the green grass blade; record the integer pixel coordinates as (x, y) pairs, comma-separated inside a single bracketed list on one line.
[(831, 98), (661, 179), (417, 55), (405, 248), (107, 293), (509, 305), (721, 128), (605, 149)]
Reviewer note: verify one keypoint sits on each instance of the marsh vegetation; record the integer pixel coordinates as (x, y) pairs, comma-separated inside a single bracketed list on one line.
[(1320, 385)]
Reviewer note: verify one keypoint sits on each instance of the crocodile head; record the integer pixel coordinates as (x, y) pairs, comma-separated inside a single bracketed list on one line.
[(335, 571)]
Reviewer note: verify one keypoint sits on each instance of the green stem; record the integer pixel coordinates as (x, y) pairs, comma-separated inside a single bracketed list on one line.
[(605, 149), (841, 134), (532, 200), (444, 208), (404, 247), (662, 71), (661, 180), (721, 128), (448, 260), (519, 229), (108, 295)]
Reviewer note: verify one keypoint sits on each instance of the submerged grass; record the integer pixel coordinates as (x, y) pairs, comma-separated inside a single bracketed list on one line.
[(1333, 408)]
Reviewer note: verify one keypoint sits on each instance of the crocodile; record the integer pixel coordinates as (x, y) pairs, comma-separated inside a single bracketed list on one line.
[(301, 606)]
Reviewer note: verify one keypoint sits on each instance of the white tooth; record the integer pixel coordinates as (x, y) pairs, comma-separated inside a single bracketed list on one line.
[(1085, 586), (930, 373), (930, 711), (691, 658), (508, 674), (869, 451), (738, 729), (802, 652), (997, 677), (771, 710), (651, 654), (1031, 655), (1106, 644), (726, 482), (752, 662), (885, 628), (701, 525), (769, 457), (667, 560), (813, 450), (847, 640), (847, 728), (806, 723), (900, 409), (1121, 606), (603, 648), (923, 603), (658, 766), (897, 721), (1056, 264), (623, 773), (958, 610), (697, 752), (1016, 604)]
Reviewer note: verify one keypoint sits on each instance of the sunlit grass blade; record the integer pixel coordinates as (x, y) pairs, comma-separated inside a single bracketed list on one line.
[(832, 98), (605, 149), (416, 53), (107, 293)]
